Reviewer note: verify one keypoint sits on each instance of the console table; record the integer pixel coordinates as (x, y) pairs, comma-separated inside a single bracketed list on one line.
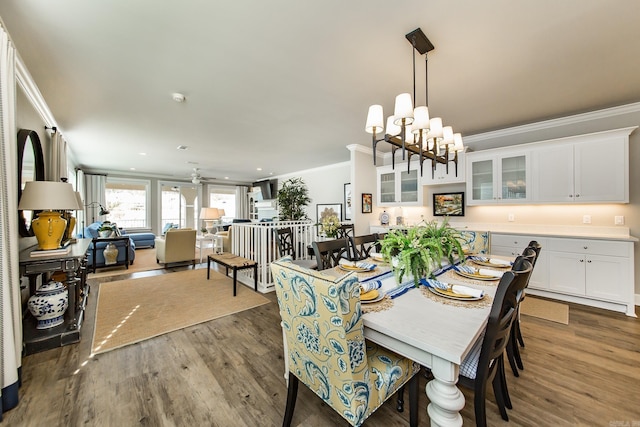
[(127, 244), (74, 265)]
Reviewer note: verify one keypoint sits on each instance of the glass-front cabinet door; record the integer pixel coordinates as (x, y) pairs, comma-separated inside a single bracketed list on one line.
[(398, 187), (409, 186), (387, 186), (481, 181), (498, 178), (514, 177)]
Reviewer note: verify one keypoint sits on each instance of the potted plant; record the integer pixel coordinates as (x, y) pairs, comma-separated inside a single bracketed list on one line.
[(420, 250), (105, 229), (293, 197)]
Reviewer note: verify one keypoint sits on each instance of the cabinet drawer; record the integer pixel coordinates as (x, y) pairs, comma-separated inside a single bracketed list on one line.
[(511, 240), (599, 247)]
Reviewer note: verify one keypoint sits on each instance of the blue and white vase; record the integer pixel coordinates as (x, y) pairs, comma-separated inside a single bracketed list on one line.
[(49, 304)]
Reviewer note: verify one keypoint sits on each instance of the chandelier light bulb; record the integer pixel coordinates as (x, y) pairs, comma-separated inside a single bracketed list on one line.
[(420, 119), (392, 128)]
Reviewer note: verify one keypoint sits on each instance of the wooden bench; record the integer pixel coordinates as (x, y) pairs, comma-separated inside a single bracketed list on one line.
[(236, 263)]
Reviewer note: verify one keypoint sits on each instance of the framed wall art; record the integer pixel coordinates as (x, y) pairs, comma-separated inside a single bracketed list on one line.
[(367, 203), (448, 204), (324, 210), (347, 201)]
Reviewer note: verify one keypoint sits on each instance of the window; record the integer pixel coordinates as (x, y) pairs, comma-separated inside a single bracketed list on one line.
[(128, 202), (223, 198), (178, 204)]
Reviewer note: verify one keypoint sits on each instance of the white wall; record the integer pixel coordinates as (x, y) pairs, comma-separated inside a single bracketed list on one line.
[(325, 184)]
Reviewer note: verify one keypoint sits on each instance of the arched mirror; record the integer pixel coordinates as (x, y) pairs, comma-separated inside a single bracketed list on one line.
[(30, 168)]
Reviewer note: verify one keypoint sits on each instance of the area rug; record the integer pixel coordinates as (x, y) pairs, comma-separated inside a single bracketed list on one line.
[(133, 310), (544, 309), (145, 261)]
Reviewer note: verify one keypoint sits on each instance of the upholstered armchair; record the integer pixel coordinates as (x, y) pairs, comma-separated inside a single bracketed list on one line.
[(177, 245), (226, 239), (325, 346), (476, 242)]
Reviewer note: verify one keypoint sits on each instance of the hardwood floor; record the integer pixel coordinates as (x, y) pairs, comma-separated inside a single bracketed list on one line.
[(229, 372)]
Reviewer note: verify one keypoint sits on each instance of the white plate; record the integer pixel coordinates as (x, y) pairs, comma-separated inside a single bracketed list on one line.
[(459, 298), (379, 298), (475, 277), (356, 269), (490, 264)]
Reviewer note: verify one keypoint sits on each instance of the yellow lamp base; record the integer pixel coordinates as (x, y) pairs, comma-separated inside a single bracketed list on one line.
[(49, 228)]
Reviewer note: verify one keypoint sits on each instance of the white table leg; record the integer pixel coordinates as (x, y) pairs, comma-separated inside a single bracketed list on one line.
[(446, 399)]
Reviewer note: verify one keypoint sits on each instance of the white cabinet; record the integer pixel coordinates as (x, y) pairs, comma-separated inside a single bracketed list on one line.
[(594, 272), (399, 186), (591, 169), (498, 176), (440, 176), (512, 245)]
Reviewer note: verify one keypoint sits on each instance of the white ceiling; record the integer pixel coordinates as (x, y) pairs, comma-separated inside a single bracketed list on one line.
[(285, 85)]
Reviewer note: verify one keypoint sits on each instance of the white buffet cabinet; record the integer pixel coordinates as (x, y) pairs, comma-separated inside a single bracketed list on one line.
[(598, 272)]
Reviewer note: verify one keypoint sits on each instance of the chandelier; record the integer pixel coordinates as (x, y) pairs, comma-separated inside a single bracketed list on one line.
[(411, 129)]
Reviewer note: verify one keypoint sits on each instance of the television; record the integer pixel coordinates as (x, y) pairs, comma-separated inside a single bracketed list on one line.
[(268, 188)]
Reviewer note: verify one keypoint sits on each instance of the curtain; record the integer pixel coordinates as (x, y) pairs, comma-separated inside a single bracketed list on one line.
[(94, 196), (80, 214), (10, 302), (242, 201), (57, 167)]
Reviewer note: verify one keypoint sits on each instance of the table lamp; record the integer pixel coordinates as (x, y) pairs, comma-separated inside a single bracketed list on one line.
[(209, 215), (50, 197)]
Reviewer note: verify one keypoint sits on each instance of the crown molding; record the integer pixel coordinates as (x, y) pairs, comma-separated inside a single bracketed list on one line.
[(32, 92), (562, 121)]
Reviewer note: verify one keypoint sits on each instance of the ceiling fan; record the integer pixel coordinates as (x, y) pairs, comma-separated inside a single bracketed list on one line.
[(197, 178)]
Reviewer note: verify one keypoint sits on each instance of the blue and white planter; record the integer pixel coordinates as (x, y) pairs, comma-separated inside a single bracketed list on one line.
[(49, 304)]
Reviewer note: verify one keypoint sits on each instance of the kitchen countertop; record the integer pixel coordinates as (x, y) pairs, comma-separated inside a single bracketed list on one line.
[(563, 231)]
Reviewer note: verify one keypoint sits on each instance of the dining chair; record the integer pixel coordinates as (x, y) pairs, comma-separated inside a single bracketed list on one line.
[(381, 237), (284, 242), (513, 351), (345, 231), (485, 360), (362, 246), (328, 253), (325, 347)]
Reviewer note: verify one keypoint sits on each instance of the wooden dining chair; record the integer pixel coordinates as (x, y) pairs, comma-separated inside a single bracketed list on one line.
[(345, 231), (328, 253), (513, 352), (381, 237), (362, 246), (325, 347), (485, 361), (284, 242)]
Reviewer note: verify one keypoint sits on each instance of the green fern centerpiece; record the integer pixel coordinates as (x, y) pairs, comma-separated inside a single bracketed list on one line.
[(420, 250)]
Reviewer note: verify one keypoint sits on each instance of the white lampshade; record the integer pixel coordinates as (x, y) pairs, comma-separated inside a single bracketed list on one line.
[(392, 128), (420, 119), (48, 195), (209, 213), (447, 135), (457, 142), (403, 109), (435, 127), (374, 120)]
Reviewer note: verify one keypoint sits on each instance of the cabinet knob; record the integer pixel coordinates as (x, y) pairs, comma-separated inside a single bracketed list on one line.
[(570, 195), (581, 260), (589, 261), (577, 195), (585, 247)]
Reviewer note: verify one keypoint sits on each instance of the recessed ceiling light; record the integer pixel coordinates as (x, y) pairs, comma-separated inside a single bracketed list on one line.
[(178, 97), (132, 169), (143, 154), (258, 169), (226, 177), (182, 147)]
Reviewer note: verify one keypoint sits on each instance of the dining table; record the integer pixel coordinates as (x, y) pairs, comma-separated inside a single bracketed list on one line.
[(434, 331)]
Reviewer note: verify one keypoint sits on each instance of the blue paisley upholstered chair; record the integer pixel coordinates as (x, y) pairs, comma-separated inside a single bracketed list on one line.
[(326, 349), (476, 242)]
